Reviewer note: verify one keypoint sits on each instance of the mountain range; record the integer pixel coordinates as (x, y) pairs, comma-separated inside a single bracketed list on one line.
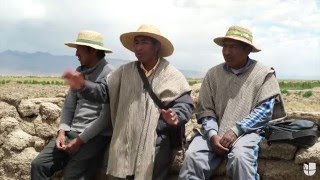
[(18, 63)]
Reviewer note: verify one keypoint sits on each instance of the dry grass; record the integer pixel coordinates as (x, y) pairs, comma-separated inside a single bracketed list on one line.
[(295, 101)]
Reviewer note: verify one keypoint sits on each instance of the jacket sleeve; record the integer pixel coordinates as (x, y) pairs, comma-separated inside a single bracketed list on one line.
[(210, 127), (68, 110), (183, 107), (98, 125), (258, 117), (95, 91)]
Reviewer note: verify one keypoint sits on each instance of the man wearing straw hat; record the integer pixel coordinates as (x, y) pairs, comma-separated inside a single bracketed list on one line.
[(140, 145), (85, 127), (236, 99)]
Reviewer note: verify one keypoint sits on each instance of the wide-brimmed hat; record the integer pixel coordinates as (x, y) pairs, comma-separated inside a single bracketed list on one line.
[(238, 33), (89, 38), (127, 39)]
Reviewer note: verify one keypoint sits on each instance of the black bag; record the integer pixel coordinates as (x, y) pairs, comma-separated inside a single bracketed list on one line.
[(301, 133), (175, 141)]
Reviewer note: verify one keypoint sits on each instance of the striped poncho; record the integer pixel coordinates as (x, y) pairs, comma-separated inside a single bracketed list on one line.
[(230, 98), (135, 117)]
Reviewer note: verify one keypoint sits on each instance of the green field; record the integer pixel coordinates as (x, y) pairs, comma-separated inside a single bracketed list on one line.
[(285, 85), (298, 84), (45, 80)]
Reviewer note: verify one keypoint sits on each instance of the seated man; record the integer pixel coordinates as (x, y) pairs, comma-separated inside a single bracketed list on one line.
[(140, 146), (236, 99), (85, 126)]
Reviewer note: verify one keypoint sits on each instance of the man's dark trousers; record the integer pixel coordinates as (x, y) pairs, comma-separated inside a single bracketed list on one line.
[(84, 164)]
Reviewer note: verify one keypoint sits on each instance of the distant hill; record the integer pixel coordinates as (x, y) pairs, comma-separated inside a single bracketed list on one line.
[(46, 64)]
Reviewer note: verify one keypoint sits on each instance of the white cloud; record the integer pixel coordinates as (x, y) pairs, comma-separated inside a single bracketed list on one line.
[(286, 30), (26, 9)]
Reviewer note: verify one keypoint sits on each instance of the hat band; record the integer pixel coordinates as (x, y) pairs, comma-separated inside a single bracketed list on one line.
[(240, 33), (90, 42)]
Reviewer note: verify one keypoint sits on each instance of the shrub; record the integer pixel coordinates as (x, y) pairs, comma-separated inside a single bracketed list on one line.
[(58, 83), (285, 91), (307, 94), (193, 81)]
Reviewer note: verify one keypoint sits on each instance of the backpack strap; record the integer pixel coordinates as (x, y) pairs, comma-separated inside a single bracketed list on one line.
[(147, 86), (159, 103)]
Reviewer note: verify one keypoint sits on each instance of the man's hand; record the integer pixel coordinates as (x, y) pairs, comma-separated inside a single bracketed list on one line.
[(169, 116), (61, 140), (228, 139), (74, 79), (74, 145), (217, 147)]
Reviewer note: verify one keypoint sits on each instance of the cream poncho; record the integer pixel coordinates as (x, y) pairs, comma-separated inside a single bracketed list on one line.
[(135, 117), (230, 98)]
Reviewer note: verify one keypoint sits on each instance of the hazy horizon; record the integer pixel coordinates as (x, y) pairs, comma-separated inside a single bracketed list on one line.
[(72, 62)]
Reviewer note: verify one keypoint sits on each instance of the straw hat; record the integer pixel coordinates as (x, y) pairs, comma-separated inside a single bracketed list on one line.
[(238, 33), (89, 38), (127, 39)]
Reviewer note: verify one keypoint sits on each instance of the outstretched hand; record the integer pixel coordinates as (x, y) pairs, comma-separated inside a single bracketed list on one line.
[(74, 79), (169, 116)]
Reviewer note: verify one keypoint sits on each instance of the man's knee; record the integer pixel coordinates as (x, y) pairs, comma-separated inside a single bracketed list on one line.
[(39, 169), (36, 164), (239, 160), (192, 167), (193, 159)]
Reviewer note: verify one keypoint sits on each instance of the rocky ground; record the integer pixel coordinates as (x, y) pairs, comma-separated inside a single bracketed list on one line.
[(294, 100), (29, 115), (27, 91)]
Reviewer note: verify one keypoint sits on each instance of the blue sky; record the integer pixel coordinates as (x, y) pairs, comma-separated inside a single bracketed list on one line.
[(287, 31)]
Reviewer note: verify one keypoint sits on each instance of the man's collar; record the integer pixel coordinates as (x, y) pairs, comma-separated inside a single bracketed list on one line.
[(148, 73), (86, 70), (242, 70)]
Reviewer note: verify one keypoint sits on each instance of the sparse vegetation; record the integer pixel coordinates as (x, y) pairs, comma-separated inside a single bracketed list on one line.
[(298, 85), (307, 94), (194, 81), (285, 91), (31, 80), (3, 81)]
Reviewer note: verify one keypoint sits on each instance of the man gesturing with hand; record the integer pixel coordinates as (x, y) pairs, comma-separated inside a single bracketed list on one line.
[(84, 131)]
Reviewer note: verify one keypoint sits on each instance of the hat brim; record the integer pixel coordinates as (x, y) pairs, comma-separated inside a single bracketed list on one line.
[(75, 44), (219, 41), (127, 40)]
